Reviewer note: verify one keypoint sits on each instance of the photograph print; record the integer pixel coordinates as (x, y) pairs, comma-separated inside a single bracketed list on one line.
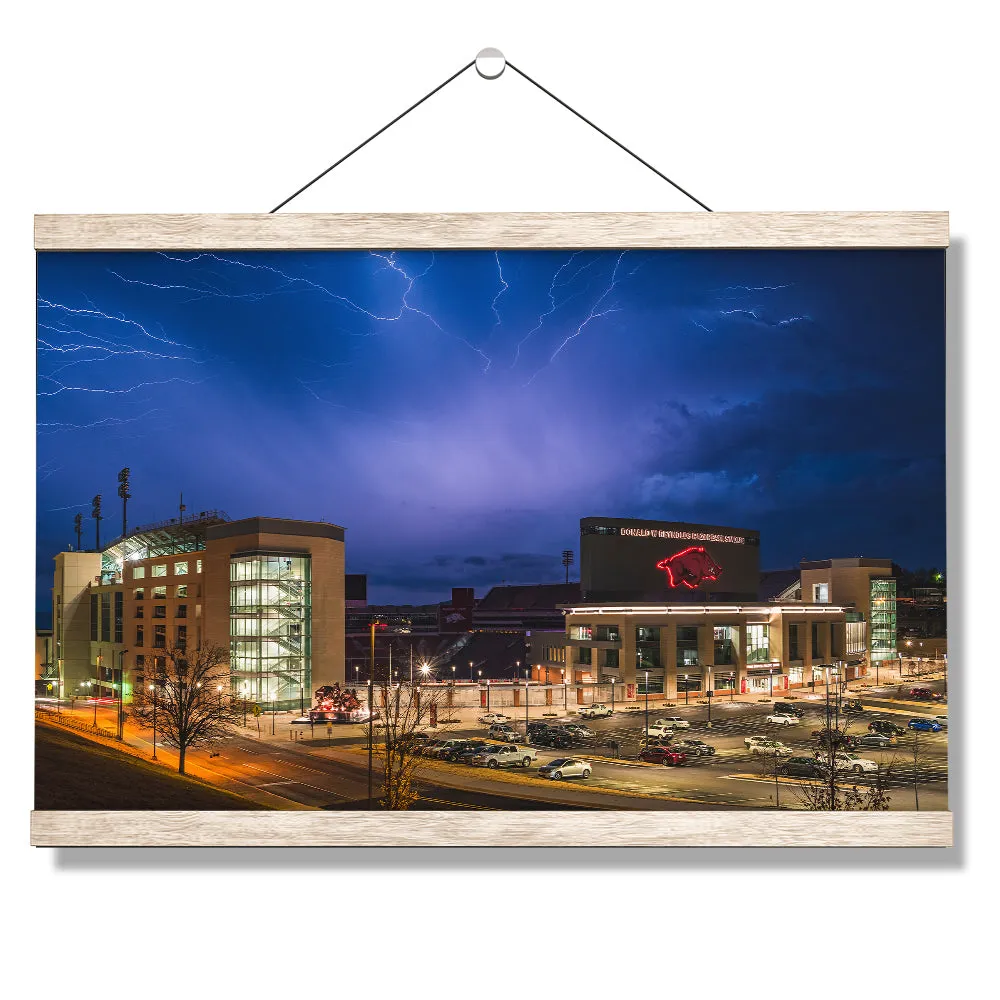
[(501, 529)]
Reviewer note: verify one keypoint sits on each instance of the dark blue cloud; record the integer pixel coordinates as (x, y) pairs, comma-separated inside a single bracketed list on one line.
[(449, 408)]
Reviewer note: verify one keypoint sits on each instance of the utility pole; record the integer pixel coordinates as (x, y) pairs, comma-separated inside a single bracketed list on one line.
[(125, 494), (95, 513)]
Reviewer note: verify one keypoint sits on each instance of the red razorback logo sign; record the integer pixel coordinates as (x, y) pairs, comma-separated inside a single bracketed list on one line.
[(690, 567)]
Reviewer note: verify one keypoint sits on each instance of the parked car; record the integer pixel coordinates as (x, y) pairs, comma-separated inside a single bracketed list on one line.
[(493, 717), (565, 767), (663, 728), (771, 748), (885, 727), (675, 722), (804, 767), (430, 748), (579, 732), (507, 755), (925, 694), (787, 708), (693, 748), (781, 719), (847, 762), (852, 706), (875, 741), (834, 738), (599, 711), (750, 741), (924, 725), (467, 753), (552, 738), (941, 720), (668, 756), (457, 747), (504, 731), (445, 749)]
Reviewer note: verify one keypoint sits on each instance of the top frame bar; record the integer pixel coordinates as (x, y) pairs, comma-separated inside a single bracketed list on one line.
[(543, 230)]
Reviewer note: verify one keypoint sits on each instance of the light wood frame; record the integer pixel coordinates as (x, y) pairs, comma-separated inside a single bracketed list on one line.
[(688, 230)]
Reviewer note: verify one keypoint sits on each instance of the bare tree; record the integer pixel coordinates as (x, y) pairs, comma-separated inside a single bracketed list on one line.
[(401, 711), (839, 791), (186, 702)]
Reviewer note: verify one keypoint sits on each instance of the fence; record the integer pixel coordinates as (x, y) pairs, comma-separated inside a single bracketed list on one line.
[(60, 719)]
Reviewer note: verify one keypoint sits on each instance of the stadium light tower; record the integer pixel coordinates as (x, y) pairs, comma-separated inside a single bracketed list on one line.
[(125, 494), (78, 528), (95, 513), (567, 561)]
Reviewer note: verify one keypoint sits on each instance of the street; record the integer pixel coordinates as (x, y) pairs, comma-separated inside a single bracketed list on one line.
[(297, 768)]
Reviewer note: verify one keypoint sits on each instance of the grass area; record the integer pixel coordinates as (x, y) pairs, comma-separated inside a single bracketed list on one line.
[(72, 772)]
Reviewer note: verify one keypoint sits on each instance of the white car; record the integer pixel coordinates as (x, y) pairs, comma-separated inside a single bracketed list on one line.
[(849, 762), (941, 720), (594, 711), (565, 767), (491, 718), (675, 722), (506, 756), (771, 748), (783, 720), (751, 741)]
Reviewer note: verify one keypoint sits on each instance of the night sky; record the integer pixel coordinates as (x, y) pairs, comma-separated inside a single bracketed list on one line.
[(458, 412)]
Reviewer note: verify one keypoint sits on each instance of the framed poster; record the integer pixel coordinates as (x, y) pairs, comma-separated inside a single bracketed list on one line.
[(491, 529)]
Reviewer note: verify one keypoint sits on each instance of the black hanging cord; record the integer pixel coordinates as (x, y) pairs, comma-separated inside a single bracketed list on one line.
[(521, 73), (441, 86), (609, 137)]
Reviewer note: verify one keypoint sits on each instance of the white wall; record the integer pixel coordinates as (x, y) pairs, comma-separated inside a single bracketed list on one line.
[(223, 106)]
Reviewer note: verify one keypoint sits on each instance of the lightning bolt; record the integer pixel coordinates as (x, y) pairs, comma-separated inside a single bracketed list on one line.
[(553, 305), (595, 313), (503, 288), (112, 392), (57, 426)]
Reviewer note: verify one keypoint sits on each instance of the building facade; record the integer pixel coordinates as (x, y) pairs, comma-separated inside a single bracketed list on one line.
[(671, 649), (270, 591), (867, 589)]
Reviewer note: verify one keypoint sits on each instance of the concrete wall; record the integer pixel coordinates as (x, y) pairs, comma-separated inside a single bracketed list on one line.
[(74, 573)]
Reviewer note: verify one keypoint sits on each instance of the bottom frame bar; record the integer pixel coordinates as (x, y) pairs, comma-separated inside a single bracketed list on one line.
[(496, 829)]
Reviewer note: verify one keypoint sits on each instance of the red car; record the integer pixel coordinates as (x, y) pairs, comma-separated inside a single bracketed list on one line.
[(663, 755), (925, 694)]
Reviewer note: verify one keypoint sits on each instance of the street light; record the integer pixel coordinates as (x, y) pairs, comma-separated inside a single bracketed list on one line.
[(732, 684), (526, 705), (470, 670), (612, 696), (685, 689), (93, 698)]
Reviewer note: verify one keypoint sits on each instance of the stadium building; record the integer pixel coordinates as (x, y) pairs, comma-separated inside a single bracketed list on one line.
[(269, 590)]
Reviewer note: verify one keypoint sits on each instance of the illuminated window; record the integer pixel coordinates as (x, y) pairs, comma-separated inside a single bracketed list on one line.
[(182, 590), (821, 593), (180, 568), (197, 566), (159, 593), (160, 569), (758, 650), (585, 632), (647, 644), (138, 572), (724, 637), (687, 646)]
